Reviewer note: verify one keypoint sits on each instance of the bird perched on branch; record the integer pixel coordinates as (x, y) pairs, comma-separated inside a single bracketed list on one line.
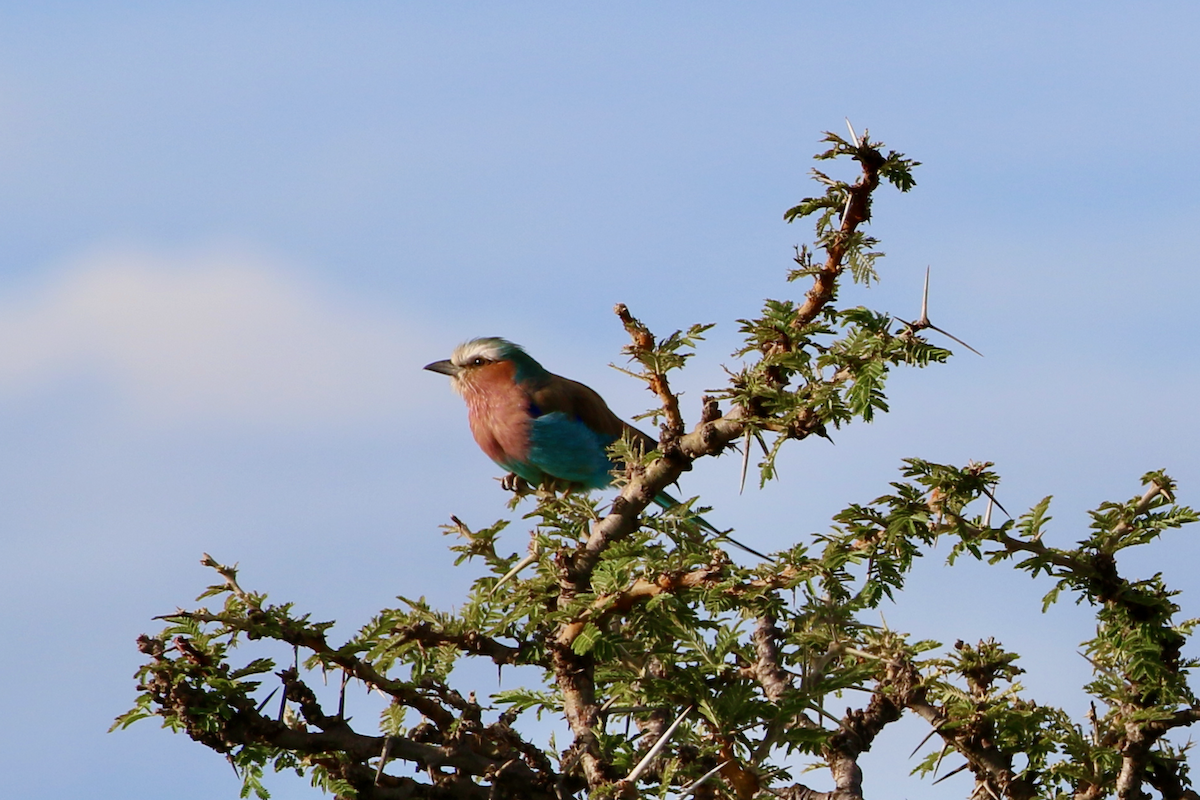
[(539, 425)]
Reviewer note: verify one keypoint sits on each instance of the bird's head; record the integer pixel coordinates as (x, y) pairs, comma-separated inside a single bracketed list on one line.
[(471, 362)]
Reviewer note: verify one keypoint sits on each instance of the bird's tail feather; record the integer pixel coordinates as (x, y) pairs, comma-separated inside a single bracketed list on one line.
[(667, 502)]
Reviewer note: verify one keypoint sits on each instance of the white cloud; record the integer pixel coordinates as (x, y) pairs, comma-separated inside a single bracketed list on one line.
[(219, 336)]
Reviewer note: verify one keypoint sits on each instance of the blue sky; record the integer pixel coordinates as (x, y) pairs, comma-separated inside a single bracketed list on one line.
[(234, 233)]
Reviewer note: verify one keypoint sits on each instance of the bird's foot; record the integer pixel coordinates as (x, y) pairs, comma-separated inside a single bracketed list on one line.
[(512, 482)]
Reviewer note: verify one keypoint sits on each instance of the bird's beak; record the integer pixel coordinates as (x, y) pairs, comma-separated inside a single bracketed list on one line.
[(444, 367)]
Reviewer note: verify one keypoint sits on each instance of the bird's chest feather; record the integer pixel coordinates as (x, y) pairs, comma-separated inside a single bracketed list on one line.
[(498, 410)]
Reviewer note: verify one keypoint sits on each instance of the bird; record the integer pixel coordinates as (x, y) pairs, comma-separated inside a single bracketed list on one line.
[(538, 425)]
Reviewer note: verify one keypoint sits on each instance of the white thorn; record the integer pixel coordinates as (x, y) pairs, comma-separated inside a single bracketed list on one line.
[(383, 757), (853, 135), (745, 462), (925, 298), (987, 515), (522, 564), (861, 653), (694, 786), (659, 745)]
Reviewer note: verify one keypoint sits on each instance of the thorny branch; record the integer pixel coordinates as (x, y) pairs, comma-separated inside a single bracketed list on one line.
[(858, 211), (643, 345), (335, 745), (603, 612), (471, 642), (301, 635), (574, 669)]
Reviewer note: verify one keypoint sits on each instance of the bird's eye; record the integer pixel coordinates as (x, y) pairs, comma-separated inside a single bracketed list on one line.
[(478, 361)]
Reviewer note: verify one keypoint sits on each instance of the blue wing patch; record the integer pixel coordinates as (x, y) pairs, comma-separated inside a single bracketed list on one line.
[(564, 447)]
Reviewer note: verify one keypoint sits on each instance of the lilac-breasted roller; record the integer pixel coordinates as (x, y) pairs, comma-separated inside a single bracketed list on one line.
[(536, 424)]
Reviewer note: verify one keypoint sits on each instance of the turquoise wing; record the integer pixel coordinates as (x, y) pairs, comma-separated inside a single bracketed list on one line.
[(564, 446)]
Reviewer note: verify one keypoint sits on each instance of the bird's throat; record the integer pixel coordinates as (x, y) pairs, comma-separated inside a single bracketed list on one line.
[(498, 410)]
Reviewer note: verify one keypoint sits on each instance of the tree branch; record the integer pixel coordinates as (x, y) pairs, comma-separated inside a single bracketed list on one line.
[(471, 642), (641, 349), (299, 635), (991, 766), (245, 725), (858, 211)]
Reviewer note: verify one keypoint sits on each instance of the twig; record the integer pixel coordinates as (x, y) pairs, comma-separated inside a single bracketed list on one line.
[(230, 576), (643, 344), (858, 210)]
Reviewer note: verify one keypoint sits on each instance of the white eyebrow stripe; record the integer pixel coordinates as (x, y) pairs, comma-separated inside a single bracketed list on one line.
[(467, 352)]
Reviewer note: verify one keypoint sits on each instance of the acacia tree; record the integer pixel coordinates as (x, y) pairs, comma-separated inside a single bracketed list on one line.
[(725, 671)]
